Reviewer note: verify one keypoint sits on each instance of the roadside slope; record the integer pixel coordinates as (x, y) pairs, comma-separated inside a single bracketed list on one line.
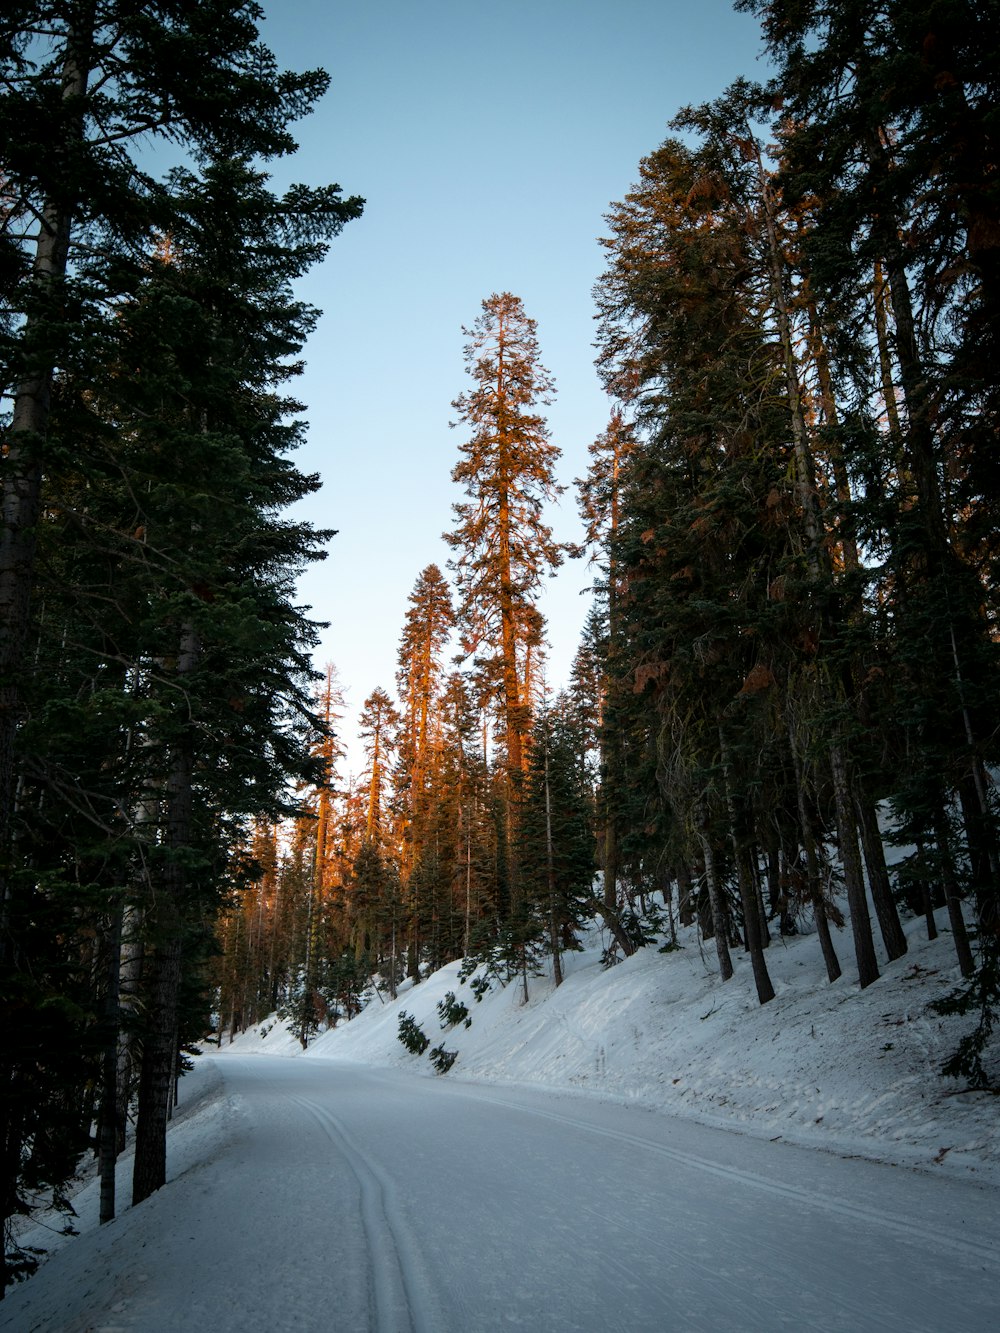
[(851, 1071)]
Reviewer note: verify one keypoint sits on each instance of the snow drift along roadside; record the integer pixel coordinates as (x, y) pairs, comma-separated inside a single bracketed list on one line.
[(851, 1071), (203, 1122)]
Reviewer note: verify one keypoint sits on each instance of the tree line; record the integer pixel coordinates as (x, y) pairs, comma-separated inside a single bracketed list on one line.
[(790, 663), (155, 681)]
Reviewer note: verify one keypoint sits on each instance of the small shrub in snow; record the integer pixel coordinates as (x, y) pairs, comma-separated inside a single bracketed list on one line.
[(452, 1011), (499, 956), (411, 1035), (479, 986), (441, 1059)]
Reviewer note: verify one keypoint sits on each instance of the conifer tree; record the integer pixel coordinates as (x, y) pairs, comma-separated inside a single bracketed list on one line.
[(503, 544), (146, 363), (600, 500), (889, 104), (556, 845), (378, 727), (419, 774), (419, 678), (682, 332)]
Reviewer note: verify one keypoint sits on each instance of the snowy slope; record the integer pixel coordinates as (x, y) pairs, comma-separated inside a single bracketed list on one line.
[(851, 1071), (351, 1199)]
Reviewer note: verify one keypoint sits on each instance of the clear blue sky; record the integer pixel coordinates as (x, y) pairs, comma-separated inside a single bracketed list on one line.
[(488, 141)]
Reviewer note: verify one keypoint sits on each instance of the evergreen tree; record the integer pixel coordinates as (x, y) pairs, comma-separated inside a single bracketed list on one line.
[(502, 542), (556, 844), (180, 568), (378, 727), (600, 499), (889, 106), (419, 679)]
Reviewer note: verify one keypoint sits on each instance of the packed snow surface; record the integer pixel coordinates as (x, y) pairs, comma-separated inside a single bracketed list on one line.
[(575, 1170), (857, 1072)]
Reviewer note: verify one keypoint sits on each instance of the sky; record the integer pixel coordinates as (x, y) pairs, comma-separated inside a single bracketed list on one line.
[(488, 140)]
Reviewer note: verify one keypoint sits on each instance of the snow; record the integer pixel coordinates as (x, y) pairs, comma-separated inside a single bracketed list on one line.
[(855, 1072), (574, 1169)]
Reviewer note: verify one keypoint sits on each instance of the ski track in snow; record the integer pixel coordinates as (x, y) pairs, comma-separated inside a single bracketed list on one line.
[(342, 1199), (400, 1299), (903, 1226), (578, 1171)]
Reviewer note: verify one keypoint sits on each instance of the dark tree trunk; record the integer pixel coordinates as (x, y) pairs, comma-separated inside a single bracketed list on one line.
[(830, 958), (949, 881), (156, 1074), (164, 967), (687, 905), (878, 878), (748, 889), (108, 1121), (129, 986), (850, 856), (719, 922)]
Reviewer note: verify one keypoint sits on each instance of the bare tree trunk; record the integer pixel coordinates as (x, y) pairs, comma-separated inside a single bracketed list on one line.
[(925, 895), (850, 856), (163, 990), (129, 986), (878, 878), (748, 890), (108, 1127), (156, 1074), (949, 879), (718, 915), (822, 920)]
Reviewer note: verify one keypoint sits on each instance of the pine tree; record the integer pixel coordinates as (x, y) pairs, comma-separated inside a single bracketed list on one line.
[(503, 544), (556, 844), (419, 679), (600, 495), (683, 334), (167, 596), (378, 727), (889, 104)]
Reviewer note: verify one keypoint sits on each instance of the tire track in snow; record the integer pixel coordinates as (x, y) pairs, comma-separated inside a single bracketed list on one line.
[(401, 1299), (902, 1226)]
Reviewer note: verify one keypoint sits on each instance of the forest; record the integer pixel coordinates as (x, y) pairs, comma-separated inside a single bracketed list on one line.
[(789, 661)]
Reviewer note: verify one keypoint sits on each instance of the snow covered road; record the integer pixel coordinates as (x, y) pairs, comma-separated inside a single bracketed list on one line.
[(344, 1199)]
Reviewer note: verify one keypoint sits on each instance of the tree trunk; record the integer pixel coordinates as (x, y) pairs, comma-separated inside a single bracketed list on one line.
[(949, 879), (131, 962), (878, 878), (718, 915), (108, 1121), (833, 970), (686, 897), (157, 1070), (850, 856), (163, 989), (747, 887)]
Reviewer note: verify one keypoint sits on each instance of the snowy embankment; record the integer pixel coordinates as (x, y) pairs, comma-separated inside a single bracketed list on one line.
[(850, 1071)]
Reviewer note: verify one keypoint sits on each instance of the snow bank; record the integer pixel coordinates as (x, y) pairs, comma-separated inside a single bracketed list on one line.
[(854, 1072), (202, 1124)]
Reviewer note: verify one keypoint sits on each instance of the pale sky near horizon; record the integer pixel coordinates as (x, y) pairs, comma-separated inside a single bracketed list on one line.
[(488, 140)]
